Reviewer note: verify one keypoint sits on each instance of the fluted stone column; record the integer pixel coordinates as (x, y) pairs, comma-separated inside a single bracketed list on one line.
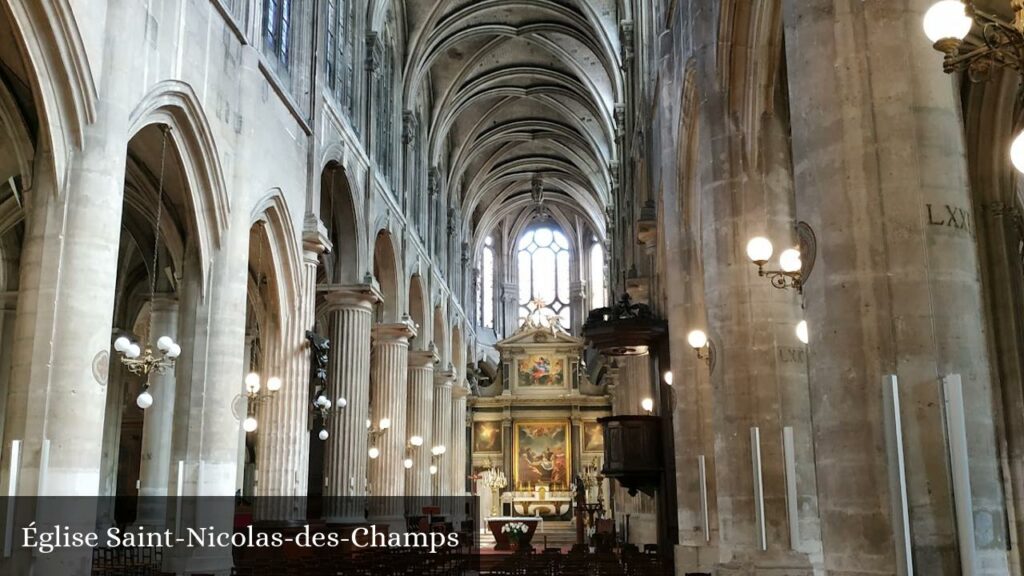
[(442, 431), (348, 371), (155, 468), (881, 177), (420, 419), (282, 444), (458, 448), (389, 379)]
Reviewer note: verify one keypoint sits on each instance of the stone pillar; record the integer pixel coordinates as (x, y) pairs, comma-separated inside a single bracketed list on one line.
[(578, 304), (7, 315), (881, 177), (62, 329), (442, 429), (155, 470), (459, 445), (758, 378), (509, 308), (419, 414), (389, 384), (282, 446), (348, 371), (633, 384)]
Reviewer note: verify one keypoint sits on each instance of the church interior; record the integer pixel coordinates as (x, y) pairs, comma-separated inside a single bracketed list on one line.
[(617, 287)]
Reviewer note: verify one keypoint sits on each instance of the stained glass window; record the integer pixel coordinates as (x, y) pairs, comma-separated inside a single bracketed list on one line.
[(276, 28), (338, 52), (598, 284), (543, 265), (486, 296)]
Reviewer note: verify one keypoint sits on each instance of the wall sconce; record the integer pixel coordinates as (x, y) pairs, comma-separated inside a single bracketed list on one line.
[(382, 426), (668, 377), (795, 264), (252, 392), (801, 332), (324, 407), (948, 23), (760, 250), (648, 405), (435, 456), (698, 340), (414, 442)]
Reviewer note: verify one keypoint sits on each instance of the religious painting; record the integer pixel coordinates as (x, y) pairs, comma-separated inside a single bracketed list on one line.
[(593, 437), (541, 371), (487, 437), (542, 455)]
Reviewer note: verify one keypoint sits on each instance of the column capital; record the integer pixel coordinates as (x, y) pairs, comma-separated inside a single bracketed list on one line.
[(362, 296), (445, 377), (424, 359), (398, 332), (315, 240), (460, 391)]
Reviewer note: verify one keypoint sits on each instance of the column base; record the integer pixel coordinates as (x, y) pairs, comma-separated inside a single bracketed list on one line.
[(767, 563)]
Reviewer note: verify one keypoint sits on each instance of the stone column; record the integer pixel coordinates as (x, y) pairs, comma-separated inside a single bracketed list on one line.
[(442, 429), (458, 447), (419, 414), (758, 377), (62, 329), (348, 371), (282, 446), (633, 384), (578, 304), (510, 308), (881, 177), (7, 315), (389, 383), (155, 471)]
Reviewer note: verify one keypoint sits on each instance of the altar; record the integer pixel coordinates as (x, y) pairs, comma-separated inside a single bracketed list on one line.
[(501, 540), (556, 503)]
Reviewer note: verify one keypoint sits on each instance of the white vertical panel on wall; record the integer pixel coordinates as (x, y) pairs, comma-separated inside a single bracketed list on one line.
[(12, 491), (704, 497), (755, 456), (897, 475), (792, 506), (956, 433)]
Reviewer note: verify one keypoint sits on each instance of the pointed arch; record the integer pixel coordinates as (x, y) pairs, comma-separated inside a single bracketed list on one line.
[(341, 214), (418, 310), (285, 254), (386, 271), (48, 36), (174, 104)]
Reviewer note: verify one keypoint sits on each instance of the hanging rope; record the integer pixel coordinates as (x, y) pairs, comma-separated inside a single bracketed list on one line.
[(156, 228)]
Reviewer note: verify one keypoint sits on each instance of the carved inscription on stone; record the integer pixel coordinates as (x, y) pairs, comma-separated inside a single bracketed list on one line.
[(950, 217), (792, 355)]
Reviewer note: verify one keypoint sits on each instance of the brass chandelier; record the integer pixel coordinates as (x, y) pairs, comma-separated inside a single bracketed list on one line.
[(139, 360)]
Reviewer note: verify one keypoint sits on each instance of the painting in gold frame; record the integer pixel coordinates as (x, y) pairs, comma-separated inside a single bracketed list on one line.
[(487, 437), (593, 437), (541, 371), (542, 455)]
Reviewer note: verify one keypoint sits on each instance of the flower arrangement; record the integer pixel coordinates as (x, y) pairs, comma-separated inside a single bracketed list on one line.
[(515, 531)]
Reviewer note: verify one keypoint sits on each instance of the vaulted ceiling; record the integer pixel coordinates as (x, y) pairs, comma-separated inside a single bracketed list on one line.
[(521, 93)]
